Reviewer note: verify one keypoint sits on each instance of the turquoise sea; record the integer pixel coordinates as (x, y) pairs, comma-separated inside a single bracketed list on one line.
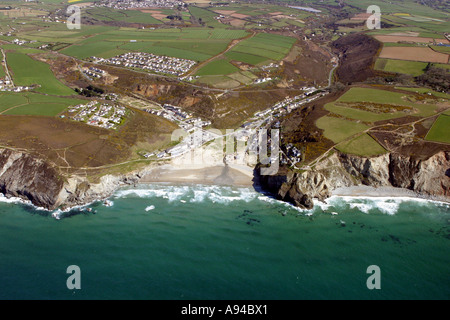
[(209, 242)]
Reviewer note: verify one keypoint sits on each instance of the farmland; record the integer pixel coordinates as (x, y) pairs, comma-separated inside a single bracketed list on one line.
[(414, 54), (363, 145), (26, 71), (269, 46), (134, 16), (353, 115), (439, 130), (373, 105), (414, 68), (248, 16), (193, 44), (217, 67), (338, 130), (34, 104), (409, 38)]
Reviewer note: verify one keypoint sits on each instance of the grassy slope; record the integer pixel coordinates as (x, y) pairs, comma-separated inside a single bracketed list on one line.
[(27, 103), (440, 130), (337, 129), (414, 68), (363, 145), (26, 71)]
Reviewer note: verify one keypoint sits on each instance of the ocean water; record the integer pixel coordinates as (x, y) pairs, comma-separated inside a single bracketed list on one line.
[(208, 242)]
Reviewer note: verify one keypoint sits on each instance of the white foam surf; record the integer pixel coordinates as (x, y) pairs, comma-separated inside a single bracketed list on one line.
[(226, 195), (186, 194)]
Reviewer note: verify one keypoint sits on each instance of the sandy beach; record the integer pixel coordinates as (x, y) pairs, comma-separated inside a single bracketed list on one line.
[(211, 170), (383, 192), (205, 165), (240, 175), (230, 175)]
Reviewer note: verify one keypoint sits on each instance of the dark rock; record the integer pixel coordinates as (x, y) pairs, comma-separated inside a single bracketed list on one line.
[(29, 178)]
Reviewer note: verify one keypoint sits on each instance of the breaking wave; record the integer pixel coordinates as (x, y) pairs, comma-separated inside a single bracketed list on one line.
[(191, 194), (226, 195)]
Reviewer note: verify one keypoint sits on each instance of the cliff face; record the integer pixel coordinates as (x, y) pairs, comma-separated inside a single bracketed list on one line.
[(78, 191), (30, 178), (27, 177), (430, 177)]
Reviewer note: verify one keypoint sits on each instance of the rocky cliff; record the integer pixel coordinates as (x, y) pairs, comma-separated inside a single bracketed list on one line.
[(29, 178), (427, 177), (78, 191), (33, 179)]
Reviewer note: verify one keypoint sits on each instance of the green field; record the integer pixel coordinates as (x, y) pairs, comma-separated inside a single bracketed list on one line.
[(27, 103), (104, 49), (196, 44), (27, 71), (245, 57), (10, 100), (394, 105), (262, 47), (132, 16), (405, 6), (337, 129), (244, 77), (358, 108), (366, 116), (219, 81), (426, 91), (165, 50), (363, 145), (440, 132), (205, 16), (385, 97), (442, 49), (217, 67), (414, 68)]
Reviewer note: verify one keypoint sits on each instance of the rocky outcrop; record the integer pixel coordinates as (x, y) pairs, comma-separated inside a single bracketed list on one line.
[(427, 177), (78, 191), (29, 178)]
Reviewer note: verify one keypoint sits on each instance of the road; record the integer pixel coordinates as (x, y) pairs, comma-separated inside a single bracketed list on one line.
[(6, 67), (330, 77)]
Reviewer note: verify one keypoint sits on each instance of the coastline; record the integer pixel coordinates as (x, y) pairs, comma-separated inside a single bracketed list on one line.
[(232, 176), (242, 176), (364, 191), (216, 172)]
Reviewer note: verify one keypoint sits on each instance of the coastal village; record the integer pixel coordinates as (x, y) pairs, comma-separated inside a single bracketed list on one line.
[(186, 122), (135, 4), (149, 62), (93, 72), (197, 133), (94, 113)]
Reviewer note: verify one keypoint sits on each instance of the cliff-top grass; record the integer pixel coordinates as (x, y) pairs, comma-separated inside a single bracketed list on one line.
[(439, 131), (362, 145)]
